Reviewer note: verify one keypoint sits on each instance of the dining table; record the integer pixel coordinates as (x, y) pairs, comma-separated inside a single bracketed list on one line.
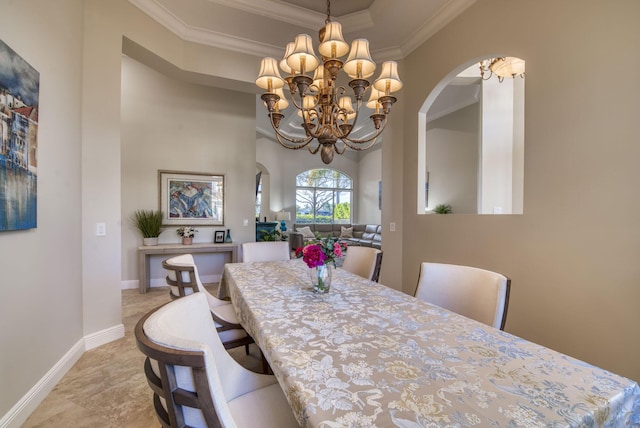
[(367, 355)]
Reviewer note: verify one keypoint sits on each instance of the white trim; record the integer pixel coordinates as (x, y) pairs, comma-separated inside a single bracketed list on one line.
[(30, 401), (129, 285), (134, 284), (292, 14), (101, 337)]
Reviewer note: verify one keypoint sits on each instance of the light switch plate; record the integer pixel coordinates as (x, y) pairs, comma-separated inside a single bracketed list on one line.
[(101, 229)]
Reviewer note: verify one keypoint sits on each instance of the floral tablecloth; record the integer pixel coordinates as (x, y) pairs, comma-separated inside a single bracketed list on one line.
[(365, 355)]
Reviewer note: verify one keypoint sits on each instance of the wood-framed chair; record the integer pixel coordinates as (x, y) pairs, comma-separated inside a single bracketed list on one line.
[(363, 261), (184, 280), (473, 292), (268, 251), (195, 382)]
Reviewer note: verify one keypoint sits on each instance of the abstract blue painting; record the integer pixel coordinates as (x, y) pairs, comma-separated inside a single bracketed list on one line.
[(19, 89)]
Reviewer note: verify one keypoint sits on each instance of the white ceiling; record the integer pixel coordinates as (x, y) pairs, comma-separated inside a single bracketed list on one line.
[(394, 29)]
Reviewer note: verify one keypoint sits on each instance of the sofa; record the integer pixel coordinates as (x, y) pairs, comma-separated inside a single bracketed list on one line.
[(366, 235)]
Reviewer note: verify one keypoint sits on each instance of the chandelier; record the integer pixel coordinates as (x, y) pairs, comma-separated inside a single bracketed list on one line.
[(328, 115), (502, 67)]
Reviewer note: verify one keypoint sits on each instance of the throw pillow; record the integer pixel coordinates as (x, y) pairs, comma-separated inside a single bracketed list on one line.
[(306, 232), (346, 232)]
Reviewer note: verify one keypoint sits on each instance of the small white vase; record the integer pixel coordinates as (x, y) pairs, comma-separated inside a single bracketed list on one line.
[(150, 241), (187, 241)]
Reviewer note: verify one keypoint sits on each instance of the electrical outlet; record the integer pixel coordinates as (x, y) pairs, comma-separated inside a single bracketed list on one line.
[(392, 227), (245, 222)]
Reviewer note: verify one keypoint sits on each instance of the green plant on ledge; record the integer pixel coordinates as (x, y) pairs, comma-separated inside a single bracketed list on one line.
[(148, 222), (443, 209), (274, 235)]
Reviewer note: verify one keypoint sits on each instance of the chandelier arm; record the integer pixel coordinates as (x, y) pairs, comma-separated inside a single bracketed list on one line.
[(299, 142), (344, 147), (348, 143), (287, 143), (312, 150)]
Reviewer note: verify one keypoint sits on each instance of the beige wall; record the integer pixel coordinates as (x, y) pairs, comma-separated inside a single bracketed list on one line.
[(452, 160), (167, 124), (41, 301), (109, 26), (573, 255), (367, 210)]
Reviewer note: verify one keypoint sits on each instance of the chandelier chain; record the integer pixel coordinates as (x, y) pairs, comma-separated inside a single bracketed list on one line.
[(328, 20)]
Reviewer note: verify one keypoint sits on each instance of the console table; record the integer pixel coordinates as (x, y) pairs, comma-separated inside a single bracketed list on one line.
[(145, 252)]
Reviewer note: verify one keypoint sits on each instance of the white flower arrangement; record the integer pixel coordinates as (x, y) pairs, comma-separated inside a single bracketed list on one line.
[(186, 232)]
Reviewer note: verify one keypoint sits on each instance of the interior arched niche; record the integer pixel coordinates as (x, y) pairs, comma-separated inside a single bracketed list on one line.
[(471, 143), (263, 200)]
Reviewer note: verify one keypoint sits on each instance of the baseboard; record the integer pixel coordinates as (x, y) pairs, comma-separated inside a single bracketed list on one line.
[(161, 282), (32, 399), (101, 337), (129, 285)]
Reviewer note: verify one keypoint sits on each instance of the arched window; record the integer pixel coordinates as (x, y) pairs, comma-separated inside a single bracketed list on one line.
[(323, 196)]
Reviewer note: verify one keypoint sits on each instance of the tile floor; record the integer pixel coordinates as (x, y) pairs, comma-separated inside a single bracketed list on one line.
[(107, 387)]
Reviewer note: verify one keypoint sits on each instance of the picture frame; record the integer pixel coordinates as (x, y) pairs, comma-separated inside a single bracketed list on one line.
[(19, 111), (191, 198), (218, 237)]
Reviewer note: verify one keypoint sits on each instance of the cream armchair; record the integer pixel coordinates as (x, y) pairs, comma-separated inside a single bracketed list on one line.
[(195, 382), (475, 293)]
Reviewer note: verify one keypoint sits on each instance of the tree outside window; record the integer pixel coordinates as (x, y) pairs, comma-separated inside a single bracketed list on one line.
[(323, 196)]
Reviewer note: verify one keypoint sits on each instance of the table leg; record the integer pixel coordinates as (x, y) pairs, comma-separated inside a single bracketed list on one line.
[(143, 272)]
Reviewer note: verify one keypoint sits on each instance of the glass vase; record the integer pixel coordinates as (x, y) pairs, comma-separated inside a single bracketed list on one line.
[(320, 279), (227, 239)]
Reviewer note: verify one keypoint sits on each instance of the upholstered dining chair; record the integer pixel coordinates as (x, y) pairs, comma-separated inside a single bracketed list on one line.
[(363, 261), (195, 382), (475, 293), (269, 251), (184, 280)]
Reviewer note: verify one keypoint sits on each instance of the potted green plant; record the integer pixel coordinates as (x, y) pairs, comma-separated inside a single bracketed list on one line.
[(443, 209), (149, 223)]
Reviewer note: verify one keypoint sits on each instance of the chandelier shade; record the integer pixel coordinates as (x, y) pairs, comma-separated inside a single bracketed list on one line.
[(269, 77), (333, 45), (303, 59), (389, 81), (359, 64), (328, 114)]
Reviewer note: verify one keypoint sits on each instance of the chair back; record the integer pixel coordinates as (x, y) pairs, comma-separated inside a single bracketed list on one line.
[(182, 277), (363, 261), (475, 293), (269, 251), (191, 374)]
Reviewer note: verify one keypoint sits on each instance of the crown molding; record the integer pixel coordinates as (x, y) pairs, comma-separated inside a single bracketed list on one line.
[(445, 15), (189, 33), (297, 16)]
